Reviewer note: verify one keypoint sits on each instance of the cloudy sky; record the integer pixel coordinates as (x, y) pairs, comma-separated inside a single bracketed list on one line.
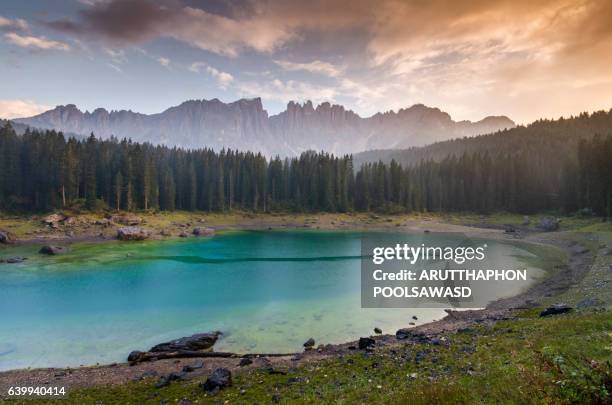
[(522, 58)]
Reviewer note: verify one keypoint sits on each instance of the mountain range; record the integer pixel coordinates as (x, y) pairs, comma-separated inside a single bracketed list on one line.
[(246, 125)]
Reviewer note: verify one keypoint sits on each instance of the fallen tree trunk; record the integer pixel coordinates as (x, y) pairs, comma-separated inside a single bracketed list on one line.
[(136, 357)]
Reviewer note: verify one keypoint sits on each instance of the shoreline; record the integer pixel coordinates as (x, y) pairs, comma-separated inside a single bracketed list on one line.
[(579, 260)]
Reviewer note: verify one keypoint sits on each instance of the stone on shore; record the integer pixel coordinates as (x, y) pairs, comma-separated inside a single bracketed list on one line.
[(245, 361), (548, 224), (103, 222), (309, 343), (366, 343), (5, 237), (54, 219), (126, 219), (199, 341), (165, 380), (378, 331), (556, 309), (134, 356), (219, 379), (201, 231), (133, 233), (53, 250)]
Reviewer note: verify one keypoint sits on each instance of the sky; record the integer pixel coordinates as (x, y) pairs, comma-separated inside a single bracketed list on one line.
[(527, 59)]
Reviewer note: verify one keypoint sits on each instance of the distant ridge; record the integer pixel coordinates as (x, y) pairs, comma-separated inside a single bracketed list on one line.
[(245, 125), (559, 136)]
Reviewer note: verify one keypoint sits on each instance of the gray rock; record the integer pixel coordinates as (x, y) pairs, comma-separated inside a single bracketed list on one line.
[(5, 237), (134, 356), (404, 333), (199, 341), (127, 219), (54, 219), (132, 233), (526, 220), (219, 379), (53, 250), (201, 231), (245, 361), (556, 309), (103, 222), (164, 381), (309, 343), (548, 224), (365, 342)]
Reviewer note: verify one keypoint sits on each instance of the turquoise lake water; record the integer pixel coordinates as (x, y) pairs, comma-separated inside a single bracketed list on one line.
[(266, 291)]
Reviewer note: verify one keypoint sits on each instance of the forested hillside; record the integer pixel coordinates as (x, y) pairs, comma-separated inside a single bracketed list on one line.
[(526, 173), (562, 136)]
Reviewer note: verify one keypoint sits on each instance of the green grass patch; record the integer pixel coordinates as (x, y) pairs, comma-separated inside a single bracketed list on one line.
[(562, 359)]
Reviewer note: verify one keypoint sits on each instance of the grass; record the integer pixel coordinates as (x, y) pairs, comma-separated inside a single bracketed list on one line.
[(562, 360)]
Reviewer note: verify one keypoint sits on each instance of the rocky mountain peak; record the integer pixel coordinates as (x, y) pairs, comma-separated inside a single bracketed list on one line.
[(245, 124)]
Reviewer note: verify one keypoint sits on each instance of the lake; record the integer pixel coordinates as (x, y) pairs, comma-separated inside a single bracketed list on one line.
[(267, 291)]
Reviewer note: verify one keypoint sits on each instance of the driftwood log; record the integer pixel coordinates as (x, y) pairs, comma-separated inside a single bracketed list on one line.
[(136, 357)]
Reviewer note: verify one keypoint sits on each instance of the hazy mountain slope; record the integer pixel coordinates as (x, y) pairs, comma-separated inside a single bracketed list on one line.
[(245, 125), (543, 136)]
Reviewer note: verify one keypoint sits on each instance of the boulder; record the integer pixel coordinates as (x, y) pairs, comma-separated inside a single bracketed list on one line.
[(366, 342), (54, 219), (219, 379), (103, 222), (526, 220), (134, 356), (199, 341), (409, 333), (245, 361), (53, 250), (556, 309), (201, 231), (548, 224), (5, 237), (509, 228), (378, 331), (309, 343), (126, 219), (165, 380), (132, 233)]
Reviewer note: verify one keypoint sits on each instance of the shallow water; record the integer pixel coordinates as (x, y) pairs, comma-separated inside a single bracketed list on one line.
[(267, 292)]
